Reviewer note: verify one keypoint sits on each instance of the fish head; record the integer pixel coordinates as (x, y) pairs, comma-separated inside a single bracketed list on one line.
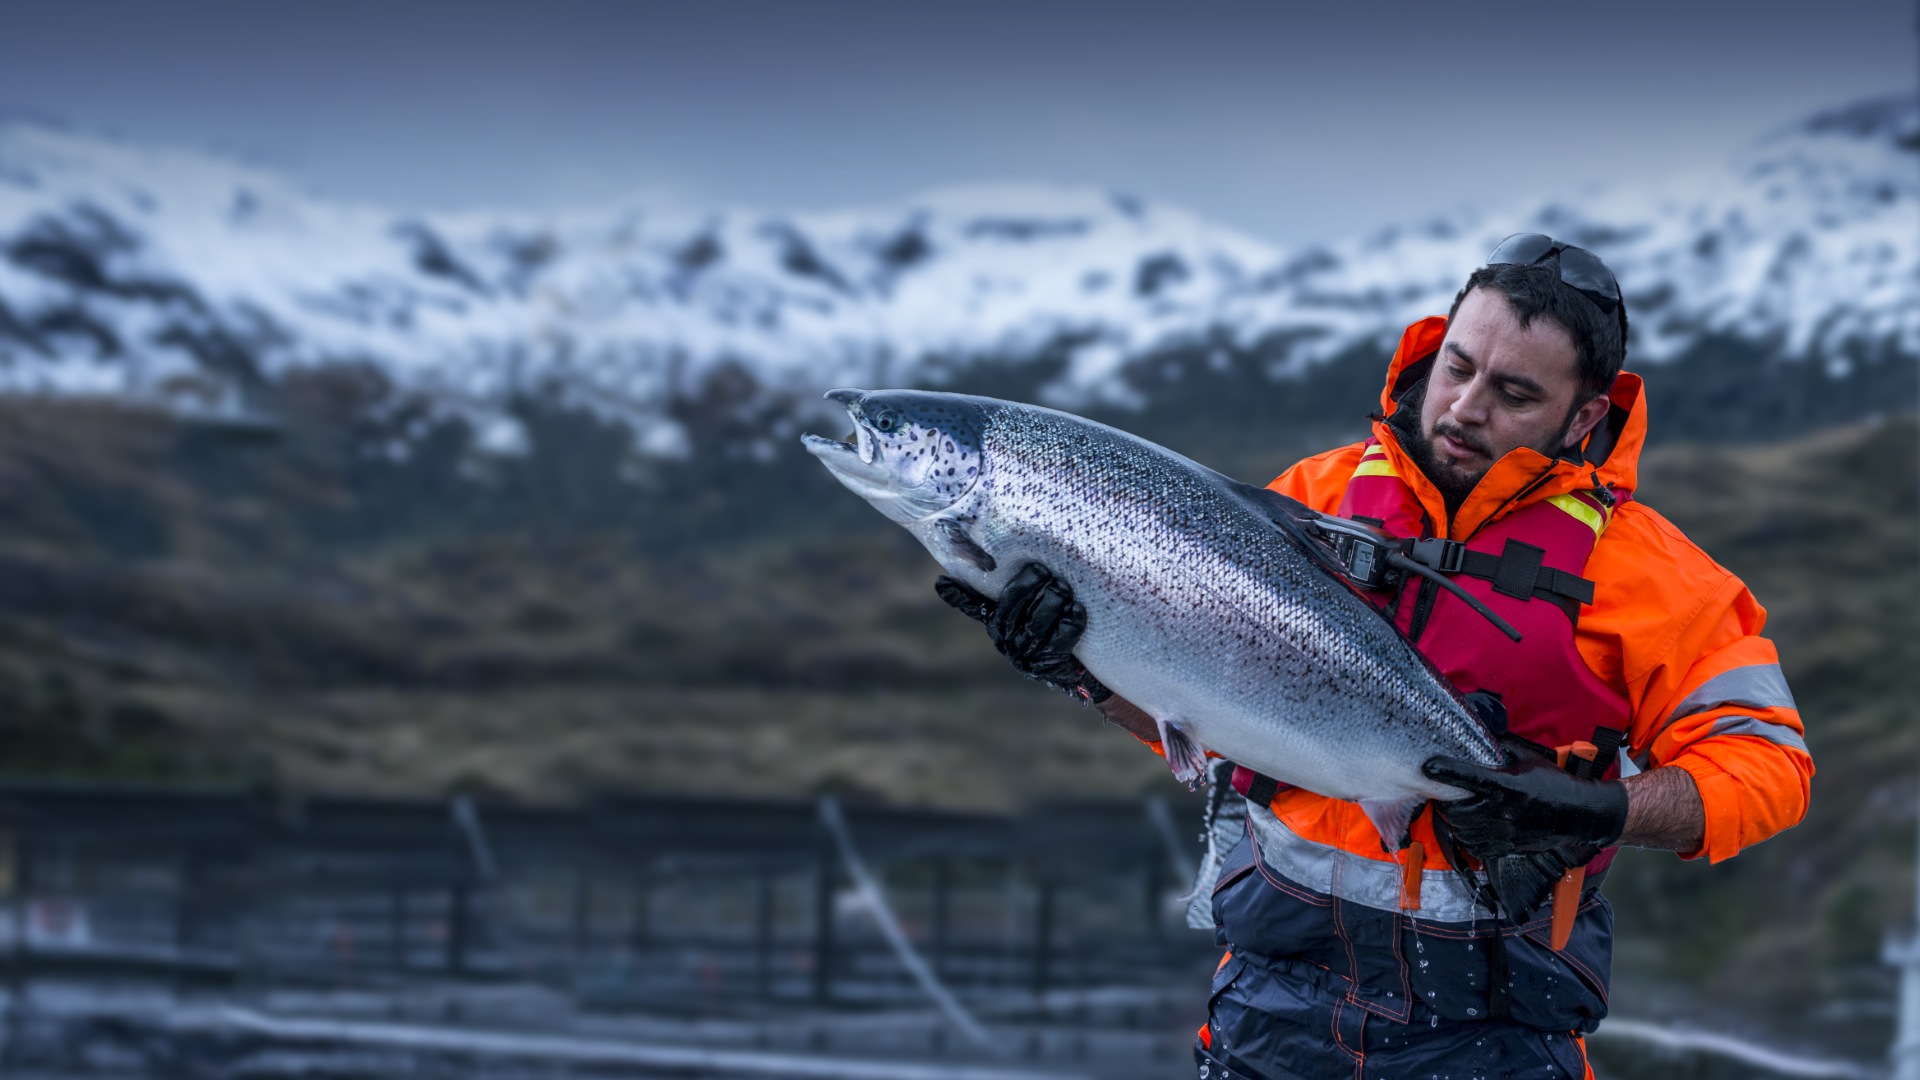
[(912, 454)]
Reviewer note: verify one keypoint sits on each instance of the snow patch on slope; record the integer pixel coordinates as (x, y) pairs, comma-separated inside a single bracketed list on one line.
[(155, 272)]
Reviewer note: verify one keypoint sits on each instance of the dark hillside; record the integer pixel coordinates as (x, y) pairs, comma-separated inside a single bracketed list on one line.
[(308, 608), (1824, 531)]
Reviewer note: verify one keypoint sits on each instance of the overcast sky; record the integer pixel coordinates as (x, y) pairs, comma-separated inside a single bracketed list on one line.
[(1295, 125)]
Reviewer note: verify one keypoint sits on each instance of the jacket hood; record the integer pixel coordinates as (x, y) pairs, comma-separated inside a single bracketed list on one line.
[(1610, 456)]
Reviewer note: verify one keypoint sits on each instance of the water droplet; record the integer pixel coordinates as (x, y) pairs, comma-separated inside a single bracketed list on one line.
[(1471, 1011)]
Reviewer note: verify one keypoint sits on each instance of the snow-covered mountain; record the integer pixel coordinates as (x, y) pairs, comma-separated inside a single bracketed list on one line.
[(175, 275)]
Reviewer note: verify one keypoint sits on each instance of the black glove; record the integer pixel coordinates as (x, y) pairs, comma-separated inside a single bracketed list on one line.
[(1521, 883), (1529, 807), (1035, 625)]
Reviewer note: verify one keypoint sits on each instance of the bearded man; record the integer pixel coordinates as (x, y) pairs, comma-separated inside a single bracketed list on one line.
[(1642, 707)]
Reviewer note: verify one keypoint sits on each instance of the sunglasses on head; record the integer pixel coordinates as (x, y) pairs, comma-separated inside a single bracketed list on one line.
[(1579, 267)]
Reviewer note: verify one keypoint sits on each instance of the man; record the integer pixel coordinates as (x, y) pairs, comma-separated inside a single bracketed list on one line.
[(1508, 429)]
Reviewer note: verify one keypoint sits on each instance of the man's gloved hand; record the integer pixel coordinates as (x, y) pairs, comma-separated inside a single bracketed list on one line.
[(1531, 806), (1521, 883), (1035, 625)]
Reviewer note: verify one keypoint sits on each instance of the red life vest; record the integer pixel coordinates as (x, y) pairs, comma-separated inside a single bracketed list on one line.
[(1552, 697)]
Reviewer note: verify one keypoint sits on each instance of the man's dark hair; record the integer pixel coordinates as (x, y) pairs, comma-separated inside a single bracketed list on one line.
[(1599, 339)]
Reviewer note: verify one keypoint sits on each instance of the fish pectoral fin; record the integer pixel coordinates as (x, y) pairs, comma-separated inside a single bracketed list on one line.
[(965, 546), (1184, 754), (1394, 819)]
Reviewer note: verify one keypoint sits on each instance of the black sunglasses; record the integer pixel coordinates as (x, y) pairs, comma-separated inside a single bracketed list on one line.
[(1579, 267)]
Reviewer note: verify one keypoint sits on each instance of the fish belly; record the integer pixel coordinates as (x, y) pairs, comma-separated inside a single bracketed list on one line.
[(1245, 712)]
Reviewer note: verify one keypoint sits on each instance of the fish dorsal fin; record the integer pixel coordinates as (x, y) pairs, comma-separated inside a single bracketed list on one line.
[(1295, 519)]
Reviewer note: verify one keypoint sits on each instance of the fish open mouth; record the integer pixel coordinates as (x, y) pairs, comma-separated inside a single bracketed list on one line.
[(857, 444), (821, 445), (859, 441)]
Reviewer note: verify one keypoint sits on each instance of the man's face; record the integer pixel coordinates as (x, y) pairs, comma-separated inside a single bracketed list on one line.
[(1497, 386)]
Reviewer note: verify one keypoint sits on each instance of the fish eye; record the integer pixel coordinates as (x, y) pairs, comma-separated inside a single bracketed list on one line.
[(884, 422)]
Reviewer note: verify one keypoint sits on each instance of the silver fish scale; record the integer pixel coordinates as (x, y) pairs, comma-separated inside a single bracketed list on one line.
[(1202, 613)]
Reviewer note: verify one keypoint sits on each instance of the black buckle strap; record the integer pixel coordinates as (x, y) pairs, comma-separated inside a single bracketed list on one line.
[(1372, 559), (1263, 788), (1518, 571), (1446, 556), (1606, 743), (1560, 583), (1257, 787)]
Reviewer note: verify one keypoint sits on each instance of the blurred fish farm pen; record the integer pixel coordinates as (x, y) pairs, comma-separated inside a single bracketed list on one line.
[(153, 933), (150, 934)]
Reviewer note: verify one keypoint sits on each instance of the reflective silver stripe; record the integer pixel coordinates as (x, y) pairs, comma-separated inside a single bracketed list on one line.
[(1756, 686), (1779, 734), (1444, 894)]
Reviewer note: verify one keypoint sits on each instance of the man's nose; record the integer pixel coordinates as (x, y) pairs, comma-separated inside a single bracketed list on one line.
[(1470, 407)]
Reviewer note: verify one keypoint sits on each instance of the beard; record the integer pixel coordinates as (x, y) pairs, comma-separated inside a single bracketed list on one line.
[(1455, 483)]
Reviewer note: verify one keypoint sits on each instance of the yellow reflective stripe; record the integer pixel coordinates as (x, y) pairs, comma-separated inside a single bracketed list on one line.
[(1376, 450), (1592, 518), (1374, 467)]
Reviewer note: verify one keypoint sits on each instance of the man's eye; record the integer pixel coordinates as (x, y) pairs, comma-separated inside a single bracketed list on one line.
[(1513, 399)]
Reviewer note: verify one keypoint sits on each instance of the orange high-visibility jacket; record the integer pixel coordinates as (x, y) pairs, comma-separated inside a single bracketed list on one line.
[(1675, 632)]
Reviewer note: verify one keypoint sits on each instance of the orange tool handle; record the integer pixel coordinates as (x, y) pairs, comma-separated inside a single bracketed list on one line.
[(1584, 750), (1566, 904), (1566, 891)]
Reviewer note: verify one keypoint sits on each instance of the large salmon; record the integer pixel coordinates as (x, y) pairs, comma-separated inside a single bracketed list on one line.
[(1210, 603)]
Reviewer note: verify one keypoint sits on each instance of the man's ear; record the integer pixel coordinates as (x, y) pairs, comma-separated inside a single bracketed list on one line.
[(1586, 418)]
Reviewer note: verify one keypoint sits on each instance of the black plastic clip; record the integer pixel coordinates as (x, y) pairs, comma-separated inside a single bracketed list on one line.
[(1440, 554), (1364, 550), (1376, 559)]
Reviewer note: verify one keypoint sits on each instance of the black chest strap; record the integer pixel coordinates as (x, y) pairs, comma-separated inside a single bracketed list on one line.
[(1518, 571)]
